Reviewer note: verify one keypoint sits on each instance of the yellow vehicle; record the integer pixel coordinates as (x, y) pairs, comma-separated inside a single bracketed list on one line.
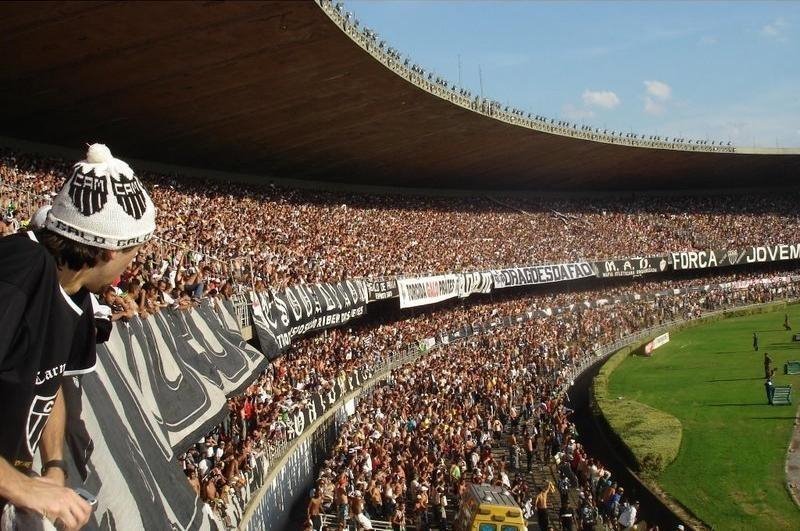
[(487, 508)]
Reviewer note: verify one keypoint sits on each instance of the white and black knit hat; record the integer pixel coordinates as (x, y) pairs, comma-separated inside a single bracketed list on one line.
[(103, 204), (40, 217)]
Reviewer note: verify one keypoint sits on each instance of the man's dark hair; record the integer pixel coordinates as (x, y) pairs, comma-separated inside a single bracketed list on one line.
[(70, 253)]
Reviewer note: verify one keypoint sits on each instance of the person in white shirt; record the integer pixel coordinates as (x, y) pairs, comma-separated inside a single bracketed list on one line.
[(203, 466), (367, 466), (362, 522), (474, 458), (504, 479), (627, 519)]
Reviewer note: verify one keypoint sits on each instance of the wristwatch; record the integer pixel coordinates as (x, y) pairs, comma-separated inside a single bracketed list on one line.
[(56, 463)]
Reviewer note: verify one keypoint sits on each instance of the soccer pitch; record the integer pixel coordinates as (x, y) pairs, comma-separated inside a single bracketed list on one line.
[(730, 467)]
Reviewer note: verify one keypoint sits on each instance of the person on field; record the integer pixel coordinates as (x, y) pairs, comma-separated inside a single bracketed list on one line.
[(786, 325), (769, 387), (98, 221), (767, 366), (755, 341)]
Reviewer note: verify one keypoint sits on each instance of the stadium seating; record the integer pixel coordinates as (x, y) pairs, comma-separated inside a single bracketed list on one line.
[(206, 251), (280, 236)]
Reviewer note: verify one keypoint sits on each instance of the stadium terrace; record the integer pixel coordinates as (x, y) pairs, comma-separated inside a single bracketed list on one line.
[(333, 326)]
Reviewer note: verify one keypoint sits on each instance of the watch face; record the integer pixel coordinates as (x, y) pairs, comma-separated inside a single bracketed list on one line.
[(90, 498)]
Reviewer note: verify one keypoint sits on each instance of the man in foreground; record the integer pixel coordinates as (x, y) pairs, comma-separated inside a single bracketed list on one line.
[(98, 221)]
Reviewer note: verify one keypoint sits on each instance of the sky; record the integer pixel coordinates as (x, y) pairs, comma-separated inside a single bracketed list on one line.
[(706, 70)]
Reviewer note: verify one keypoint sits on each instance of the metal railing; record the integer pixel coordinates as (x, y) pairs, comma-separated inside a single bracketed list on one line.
[(331, 521), (274, 451), (241, 307)]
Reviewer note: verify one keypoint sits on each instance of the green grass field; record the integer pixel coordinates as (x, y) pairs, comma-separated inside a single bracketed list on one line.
[(730, 467)]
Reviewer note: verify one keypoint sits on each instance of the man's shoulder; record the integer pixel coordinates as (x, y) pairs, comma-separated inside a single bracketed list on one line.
[(21, 258), (84, 300), (21, 242)]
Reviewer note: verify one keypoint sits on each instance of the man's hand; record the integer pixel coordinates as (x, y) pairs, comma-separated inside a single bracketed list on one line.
[(55, 503)]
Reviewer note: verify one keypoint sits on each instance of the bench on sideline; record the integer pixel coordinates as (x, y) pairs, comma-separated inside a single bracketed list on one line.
[(782, 395)]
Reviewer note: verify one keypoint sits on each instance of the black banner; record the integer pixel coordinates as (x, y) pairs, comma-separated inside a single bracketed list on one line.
[(633, 267), (477, 282), (132, 469), (216, 332), (703, 259), (525, 276), (184, 363), (721, 258), (770, 253), (320, 403), (160, 385), (279, 318), (455, 335), (378, 290), (290, 485)]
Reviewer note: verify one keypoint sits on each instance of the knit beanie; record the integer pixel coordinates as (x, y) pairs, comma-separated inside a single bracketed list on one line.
[(103, 204), (40, 217)]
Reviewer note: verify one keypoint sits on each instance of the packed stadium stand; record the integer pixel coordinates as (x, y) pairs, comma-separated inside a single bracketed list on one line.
[(298, 235), (444, 329), (520, 371)]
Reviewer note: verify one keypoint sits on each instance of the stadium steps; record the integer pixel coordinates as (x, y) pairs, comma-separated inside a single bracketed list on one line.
[(537, 479), (540, 474)]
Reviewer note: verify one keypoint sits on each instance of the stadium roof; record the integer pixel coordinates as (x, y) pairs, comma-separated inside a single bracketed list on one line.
[(278, 88)]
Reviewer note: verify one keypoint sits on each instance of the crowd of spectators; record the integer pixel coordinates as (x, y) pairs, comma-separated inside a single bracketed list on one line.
[(436, 423), (221, 232), (216, 238), (260, 420)]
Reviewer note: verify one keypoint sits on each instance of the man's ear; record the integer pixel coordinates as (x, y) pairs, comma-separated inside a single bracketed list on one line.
[(107, 255)]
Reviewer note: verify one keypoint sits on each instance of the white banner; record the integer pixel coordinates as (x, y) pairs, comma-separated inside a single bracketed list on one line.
[(744, 284), (660, 341), (428, 290)]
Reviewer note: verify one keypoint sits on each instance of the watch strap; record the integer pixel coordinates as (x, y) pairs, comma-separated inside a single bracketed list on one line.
[(56, 463)]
